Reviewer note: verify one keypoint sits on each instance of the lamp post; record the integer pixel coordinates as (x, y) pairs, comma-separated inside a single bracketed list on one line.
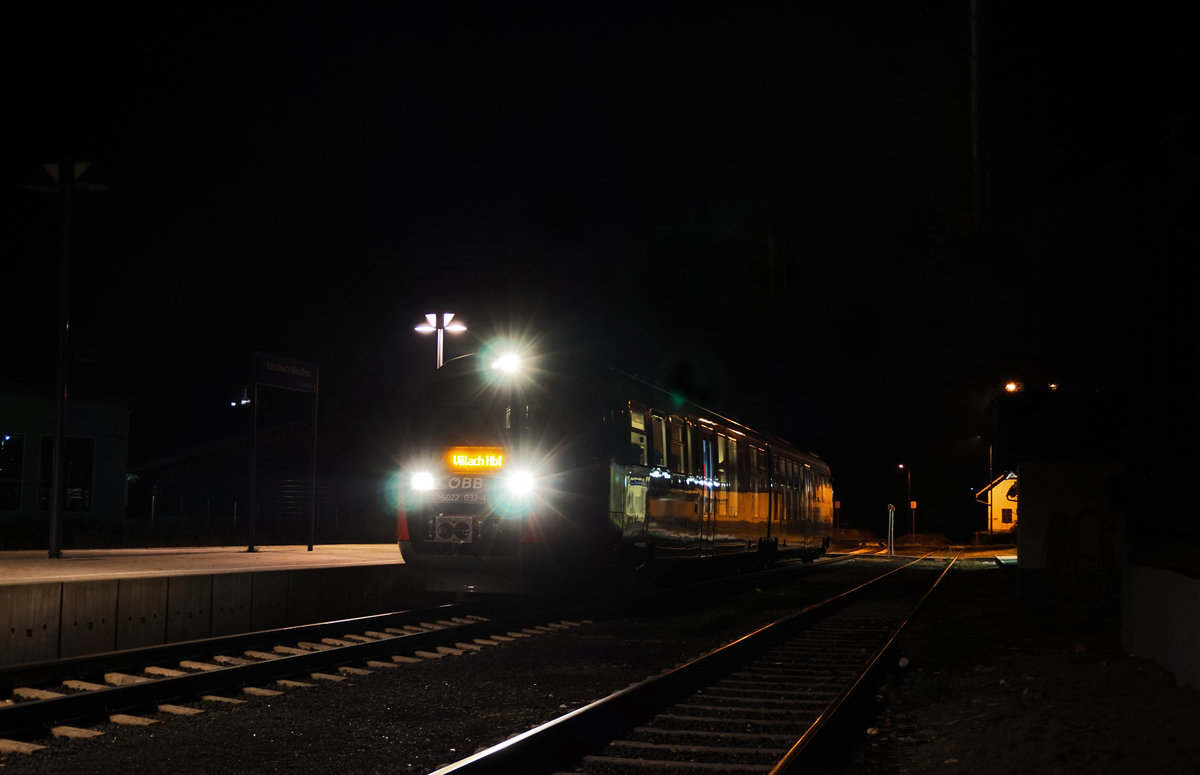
[(912, 511), (440, 324)]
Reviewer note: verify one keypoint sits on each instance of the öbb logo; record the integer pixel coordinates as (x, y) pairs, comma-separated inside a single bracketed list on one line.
[(465, 483)]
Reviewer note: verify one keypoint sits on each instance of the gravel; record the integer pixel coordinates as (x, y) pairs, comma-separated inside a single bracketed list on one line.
[(1005, 691), (995, 686)]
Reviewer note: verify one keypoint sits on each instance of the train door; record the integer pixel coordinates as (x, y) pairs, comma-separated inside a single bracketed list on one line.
[(706, 473)]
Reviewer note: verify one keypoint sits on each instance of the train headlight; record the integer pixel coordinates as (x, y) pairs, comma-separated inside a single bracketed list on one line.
[(520, 483), (422, 481), (509, 363)]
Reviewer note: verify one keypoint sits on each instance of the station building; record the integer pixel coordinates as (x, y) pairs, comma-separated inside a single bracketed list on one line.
[(96, 459)]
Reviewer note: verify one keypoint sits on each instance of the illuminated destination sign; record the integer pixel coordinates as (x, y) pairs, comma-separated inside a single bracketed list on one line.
[(475, 458)]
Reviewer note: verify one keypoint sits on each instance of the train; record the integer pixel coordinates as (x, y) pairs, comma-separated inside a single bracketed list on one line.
[(539, 475)]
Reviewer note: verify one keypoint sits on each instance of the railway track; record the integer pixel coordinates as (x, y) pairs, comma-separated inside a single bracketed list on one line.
[(71, 698), (763, 703), (63, 696)]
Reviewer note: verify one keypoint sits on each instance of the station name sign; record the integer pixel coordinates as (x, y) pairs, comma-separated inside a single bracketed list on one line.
[(475, 458), (286, 373)]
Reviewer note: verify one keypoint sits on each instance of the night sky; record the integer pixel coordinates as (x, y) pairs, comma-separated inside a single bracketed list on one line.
[(768, 204)]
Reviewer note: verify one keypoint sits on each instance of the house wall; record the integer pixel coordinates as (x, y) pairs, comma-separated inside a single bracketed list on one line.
[(999, 503)]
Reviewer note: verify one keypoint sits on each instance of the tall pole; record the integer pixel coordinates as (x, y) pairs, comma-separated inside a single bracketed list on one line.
[(911, 509), (990, 479), (976, 180), (252, 479), (312, 475), (66, 177)]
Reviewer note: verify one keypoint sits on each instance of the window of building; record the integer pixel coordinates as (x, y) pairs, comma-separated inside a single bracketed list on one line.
[(77, 473), (1006, 516), (12, 451)]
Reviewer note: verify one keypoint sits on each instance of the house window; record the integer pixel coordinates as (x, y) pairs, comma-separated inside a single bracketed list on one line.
[(1006, 516), (12, 450)]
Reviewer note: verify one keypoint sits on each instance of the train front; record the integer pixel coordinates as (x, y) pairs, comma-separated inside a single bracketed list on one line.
[(465, 518)]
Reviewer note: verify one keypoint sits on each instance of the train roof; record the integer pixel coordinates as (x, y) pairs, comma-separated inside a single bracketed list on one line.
[(586, 378)]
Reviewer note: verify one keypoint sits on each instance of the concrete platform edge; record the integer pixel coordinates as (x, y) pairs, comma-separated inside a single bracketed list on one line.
[(53, 620)]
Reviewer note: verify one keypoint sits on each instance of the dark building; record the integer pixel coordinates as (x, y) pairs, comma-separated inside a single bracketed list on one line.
[(96, 456), (199, 496)]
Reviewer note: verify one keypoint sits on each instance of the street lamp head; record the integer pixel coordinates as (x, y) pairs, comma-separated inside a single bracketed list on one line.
[(439, 324)]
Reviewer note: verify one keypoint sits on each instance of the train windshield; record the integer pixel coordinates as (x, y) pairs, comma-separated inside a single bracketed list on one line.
[(459, 411)]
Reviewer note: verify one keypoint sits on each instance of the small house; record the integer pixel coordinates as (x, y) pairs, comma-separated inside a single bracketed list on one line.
[(1001, 499)]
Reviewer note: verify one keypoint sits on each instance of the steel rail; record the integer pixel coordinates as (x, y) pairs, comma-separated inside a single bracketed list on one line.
[(564, 740), (29, 716), (48, 670), (798, 752), (24, 717)]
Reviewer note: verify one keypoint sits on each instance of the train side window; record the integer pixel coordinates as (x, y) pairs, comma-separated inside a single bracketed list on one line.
[(779, 488), (675, 456), (790, 510), (637, 448), (733, 478), (795, 493), (637, 434), (762, 481), (658, 440), (799, 507), (754, 480), (708, 453)]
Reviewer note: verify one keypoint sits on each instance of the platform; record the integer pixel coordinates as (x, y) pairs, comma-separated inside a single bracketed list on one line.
[(24, 567), (91, 601), (1002, 555)]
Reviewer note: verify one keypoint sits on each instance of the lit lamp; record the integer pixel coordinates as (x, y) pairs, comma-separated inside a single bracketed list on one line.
[(440, 324)]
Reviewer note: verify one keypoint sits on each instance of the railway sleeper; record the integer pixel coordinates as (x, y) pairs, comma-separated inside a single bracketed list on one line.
[(694, 757), (19, 746), (790, 721), (757, 738)]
